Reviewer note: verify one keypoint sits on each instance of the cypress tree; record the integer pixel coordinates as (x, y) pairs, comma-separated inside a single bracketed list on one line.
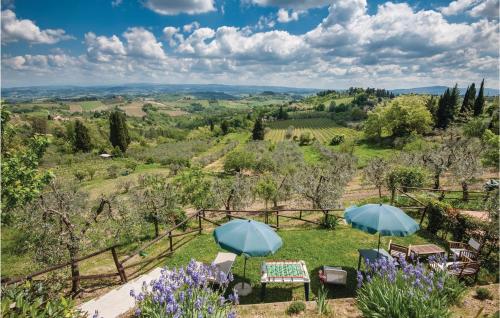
[(447, 107), (81, 141), (224, 127), (469, 98), (258, 130), (479, 103), (441, 116), (118, 131)]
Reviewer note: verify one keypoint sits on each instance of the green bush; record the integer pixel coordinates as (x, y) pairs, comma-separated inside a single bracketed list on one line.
[(437, 212), (296, 307), (34, 300), (305, 138), (406, 177), (331, 222), (483, 293), (337, 140), (79, 175), (113, 171)]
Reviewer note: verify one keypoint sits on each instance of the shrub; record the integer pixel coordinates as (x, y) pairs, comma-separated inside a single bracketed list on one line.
[(150, 161), (322, 301), (406, 291), (113, 171), (305, 138), (337, 140), (296, 307), (130, 165), (483, 293), (34, 300), (406, 177), (91, 172), (436, 213), (185, 292), (79, 175), (331, 222)]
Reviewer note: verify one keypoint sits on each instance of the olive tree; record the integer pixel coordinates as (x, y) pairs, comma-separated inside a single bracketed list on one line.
[(323, 183), (375, 172), (63, 222), (233, 192), (467, 165), (157, 201)]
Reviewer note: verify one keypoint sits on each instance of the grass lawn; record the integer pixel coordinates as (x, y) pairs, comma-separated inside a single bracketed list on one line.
[(316, 247)]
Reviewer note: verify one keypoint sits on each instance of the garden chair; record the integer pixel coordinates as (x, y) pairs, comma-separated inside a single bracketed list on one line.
[(397, 251), (333, 275), (456, 248), (224, 263), (465, 267)]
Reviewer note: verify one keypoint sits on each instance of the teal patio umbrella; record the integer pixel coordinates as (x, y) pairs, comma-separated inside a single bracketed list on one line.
[(248, 238), (385, 219)]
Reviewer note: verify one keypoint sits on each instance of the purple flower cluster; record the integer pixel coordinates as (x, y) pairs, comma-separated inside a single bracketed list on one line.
[(187, 292), (413, 274)]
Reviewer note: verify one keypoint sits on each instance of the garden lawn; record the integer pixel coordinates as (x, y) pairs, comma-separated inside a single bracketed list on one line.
[(316, 247)]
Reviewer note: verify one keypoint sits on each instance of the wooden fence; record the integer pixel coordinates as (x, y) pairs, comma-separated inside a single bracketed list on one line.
[(270, 217)]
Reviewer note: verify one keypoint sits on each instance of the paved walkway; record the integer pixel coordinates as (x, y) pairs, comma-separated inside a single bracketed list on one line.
[(118, 301)]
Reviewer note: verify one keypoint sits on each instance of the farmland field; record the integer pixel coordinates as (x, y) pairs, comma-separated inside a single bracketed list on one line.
[(323, 129)]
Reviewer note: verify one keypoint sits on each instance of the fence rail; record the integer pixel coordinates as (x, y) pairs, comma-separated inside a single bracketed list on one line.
[(200, 216)]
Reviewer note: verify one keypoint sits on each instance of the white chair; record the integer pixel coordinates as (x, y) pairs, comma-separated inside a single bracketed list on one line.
[(224, 263), (333, 275)]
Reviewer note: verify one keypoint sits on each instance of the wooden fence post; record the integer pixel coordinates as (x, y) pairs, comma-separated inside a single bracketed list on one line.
[(326, 217), (423, 214), (277, 219), (199, 222), (300, 214), (119, 267), (170, 239)]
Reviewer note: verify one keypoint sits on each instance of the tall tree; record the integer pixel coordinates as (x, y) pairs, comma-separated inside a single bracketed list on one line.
[(224, 127), (479, 103), (447, 107), (21, 180), (118, 131), (469, 98), (81, 141), (258, 129)]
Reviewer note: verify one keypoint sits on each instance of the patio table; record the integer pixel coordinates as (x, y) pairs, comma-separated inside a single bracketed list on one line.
[(372, 254), (427, 249)]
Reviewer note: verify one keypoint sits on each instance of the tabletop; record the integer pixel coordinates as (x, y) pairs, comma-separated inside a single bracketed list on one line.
[(284, 272), (427, 249)]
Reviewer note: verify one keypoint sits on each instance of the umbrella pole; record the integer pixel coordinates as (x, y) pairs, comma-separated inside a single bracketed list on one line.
[(244, 272), (378, 246)]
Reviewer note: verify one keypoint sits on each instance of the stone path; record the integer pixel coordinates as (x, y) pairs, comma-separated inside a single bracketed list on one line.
[(118, 301)]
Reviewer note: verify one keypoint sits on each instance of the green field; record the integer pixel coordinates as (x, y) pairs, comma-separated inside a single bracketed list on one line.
[(323, 129)]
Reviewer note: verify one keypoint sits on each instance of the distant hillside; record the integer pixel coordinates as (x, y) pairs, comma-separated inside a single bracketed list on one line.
[(438, 90), (205, 90)]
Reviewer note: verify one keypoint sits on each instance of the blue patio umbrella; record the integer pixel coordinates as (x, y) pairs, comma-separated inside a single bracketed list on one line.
[(385, 219), (248, 238)]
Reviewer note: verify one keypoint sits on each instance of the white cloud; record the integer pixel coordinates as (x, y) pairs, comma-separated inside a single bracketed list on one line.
[(14, 29), (456, 7), (103, 49), (265, 22), (142, 43), (170, 34), (487, 8), (292, 4), (191, 26), (174, 7), (395, 46), (285, 17)]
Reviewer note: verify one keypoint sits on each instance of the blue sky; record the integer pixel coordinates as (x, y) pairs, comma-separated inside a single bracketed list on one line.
[(308, 43)]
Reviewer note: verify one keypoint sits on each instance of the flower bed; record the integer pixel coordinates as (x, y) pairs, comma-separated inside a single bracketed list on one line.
[(186, 292), (390, 289)]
